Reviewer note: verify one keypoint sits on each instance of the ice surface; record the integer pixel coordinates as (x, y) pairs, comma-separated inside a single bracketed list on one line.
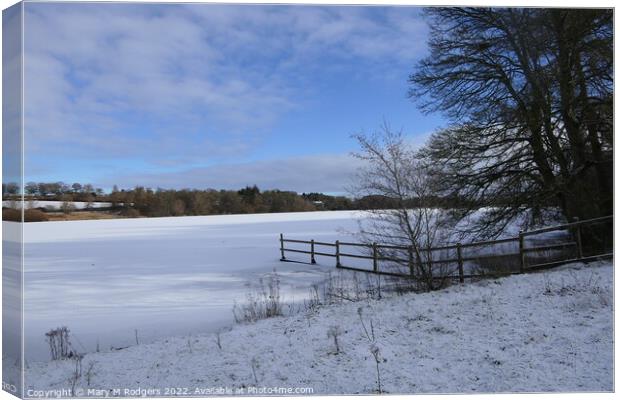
[(162, 276)]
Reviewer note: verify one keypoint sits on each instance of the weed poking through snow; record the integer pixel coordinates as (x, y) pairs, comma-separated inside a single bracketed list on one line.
[(263, 303), (370, 335), (374, 347), (376, 353), (90, 372), (334, 332), (255, 365), (218, 339), (76, 375)]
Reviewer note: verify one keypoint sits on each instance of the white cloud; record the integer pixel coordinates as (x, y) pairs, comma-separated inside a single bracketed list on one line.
[(11, 95), (89, 73), (320, 173), (179, 82)]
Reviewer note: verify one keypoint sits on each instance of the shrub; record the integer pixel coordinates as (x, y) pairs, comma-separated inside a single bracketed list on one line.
[(131, 213), (67, 207), (11, 214), (34, 215), (30, 215)]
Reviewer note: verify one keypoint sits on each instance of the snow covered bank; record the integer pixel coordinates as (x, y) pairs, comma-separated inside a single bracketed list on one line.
[(539, 332)]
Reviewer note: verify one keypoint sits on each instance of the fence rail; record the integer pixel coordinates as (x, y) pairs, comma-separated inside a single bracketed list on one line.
[(528, 253)]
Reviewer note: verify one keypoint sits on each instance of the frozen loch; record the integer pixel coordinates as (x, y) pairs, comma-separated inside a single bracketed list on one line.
[(107, 279), (172, 282)]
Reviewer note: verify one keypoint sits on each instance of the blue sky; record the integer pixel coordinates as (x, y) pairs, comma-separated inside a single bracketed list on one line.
[(220, 96)]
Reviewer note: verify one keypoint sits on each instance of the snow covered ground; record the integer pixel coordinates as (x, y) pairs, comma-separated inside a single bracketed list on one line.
[(162, 276), (539, 332), (55, 205)]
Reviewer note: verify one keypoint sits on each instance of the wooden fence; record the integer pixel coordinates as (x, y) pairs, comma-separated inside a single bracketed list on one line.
[(530, 250)]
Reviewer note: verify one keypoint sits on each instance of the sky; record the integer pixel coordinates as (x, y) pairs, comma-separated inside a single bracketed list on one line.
[(214, 96)]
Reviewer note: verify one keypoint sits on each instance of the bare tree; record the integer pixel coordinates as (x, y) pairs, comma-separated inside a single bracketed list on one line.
[(529, 93), (76, 187), (394, 170)]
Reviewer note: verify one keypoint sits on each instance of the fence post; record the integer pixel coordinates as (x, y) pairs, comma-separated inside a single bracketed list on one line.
[(374, 257), (460, 260), (521, 252), (338, 254), (411, 271), (578, 238), (312, 260), (282, 248)]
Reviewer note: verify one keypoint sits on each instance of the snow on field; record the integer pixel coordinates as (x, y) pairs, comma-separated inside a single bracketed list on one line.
[(538, 332), (162, 276), (55, 205)]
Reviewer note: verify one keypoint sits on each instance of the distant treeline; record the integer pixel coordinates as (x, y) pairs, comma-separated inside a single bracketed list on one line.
[(249, 200), (147, 202), (56, 191)]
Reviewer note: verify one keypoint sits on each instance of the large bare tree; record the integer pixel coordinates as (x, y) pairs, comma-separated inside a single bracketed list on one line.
[(529, 94)]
